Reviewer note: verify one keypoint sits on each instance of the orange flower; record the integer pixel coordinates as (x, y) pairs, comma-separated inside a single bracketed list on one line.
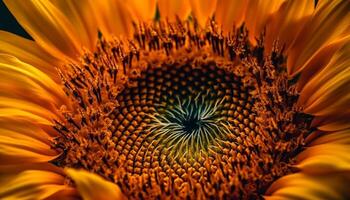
[(175, 99)]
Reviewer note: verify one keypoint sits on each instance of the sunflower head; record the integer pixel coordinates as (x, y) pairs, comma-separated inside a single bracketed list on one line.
[(178, 100)]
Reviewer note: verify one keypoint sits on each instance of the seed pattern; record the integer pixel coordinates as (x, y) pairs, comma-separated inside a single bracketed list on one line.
[(182, 112), (168, 107)]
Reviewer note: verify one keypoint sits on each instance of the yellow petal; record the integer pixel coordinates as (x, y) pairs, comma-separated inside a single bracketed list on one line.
[(80, 15), (22, 142), (66, 194), (320, 60), (91, 186), (12, 153), (47, 26), (14, 113), (302, 186), (113, 17), (288, 21), (258, 12), (11, 170), (142, 10), (203, 10), (23, 81), (328, 92), (333, 123), (12, 138), (329, 22), (338, 137), (28, 129), (30, 184), (169, 9), (8, 103), (324, 158), (230, 13), (29, 52)]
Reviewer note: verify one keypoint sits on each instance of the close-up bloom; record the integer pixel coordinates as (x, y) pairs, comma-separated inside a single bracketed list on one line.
[(176, 99)]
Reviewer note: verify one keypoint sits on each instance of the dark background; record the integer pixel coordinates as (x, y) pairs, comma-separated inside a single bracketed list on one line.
[(8, 22)]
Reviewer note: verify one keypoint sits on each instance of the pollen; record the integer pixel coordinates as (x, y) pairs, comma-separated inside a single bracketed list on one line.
[(181, 112)]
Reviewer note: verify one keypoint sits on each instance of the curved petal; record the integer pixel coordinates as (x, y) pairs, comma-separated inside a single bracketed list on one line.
[(92, 187), (142, 10), (230, 13), (22, 81), (27, 129), (338, 137), (113, 18), (332, 123), (29, 52), (320, 60), (15, 113), (324, 158), (257, 14), (31, 184), (23, 142), (328, 92), (170, 9), (47, 26), (20, 105), (66, 194), (80, 15), (12, 152), (329, 22), (303, 186), (203, 10), (288, 21)]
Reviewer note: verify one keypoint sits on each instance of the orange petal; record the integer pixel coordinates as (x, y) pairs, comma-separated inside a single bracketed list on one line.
[(13, 138), (338, 137), (333, 123), (302, 186), (20, 105), (47, 26), (80, 15), (230, 13), (169, 9), (329, 22), (29, 52), (28, 129), (258, 12), (31, 184), (320, 60), (113, 17), (66, 194), (324, 158), (14, 113), (20, 151), (288, 21), (23, 141), (92, 186), (23, 81), (11, 170), (142, 10), (328, 92), (203, 10)]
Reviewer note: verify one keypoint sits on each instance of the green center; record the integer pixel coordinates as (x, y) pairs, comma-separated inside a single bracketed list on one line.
[(190, 126)]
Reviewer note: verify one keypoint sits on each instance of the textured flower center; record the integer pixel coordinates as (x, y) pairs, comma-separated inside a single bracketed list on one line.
[(184, 110), (182, 113)]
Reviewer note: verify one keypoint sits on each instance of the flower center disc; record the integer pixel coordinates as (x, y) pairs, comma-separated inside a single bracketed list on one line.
[(175, 114), (182, 114)]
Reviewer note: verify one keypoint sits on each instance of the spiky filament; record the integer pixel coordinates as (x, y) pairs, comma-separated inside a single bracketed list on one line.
[(191, 126)]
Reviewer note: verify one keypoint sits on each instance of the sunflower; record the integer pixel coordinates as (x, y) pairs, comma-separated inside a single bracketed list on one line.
[(175, 99)]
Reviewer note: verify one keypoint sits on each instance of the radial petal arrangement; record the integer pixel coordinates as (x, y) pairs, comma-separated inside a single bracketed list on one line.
[(176, 100)]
